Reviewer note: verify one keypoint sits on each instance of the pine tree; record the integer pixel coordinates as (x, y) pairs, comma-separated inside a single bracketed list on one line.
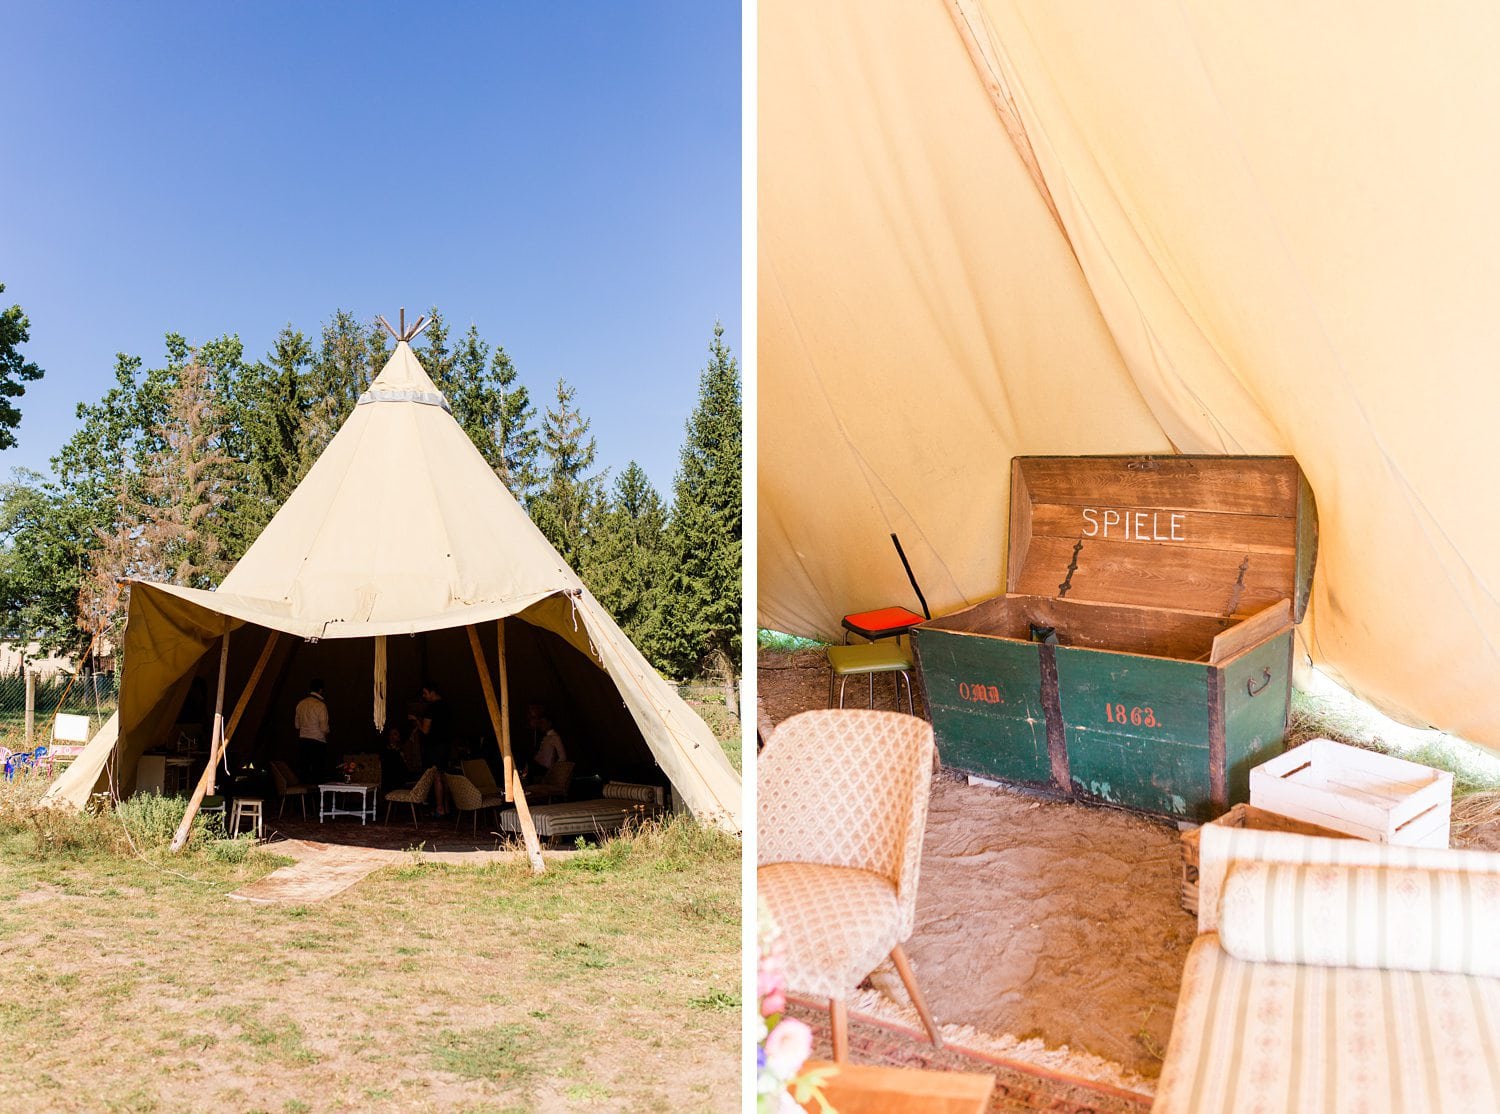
[(278, 426), (343, 368), (474, 399), (516, 442), (626, 561), (569, 498), (700, 613), (436, 358)]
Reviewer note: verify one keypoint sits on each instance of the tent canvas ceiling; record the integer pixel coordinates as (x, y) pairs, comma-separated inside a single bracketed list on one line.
[(401, 528), (990, 228)]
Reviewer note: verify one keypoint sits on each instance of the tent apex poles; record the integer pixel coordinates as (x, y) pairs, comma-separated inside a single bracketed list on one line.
[(403, 333)]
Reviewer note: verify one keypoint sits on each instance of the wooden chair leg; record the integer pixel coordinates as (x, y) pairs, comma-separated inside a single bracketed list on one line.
[(838, 1016), (909, 981)]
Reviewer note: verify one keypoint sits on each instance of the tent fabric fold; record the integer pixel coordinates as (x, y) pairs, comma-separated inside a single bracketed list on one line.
[(1274, 233), (400, 527)]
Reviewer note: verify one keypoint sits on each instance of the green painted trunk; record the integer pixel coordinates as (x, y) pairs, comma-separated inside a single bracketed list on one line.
[(1172, 585), (1137, 731), (984, 696), (1257, 698)]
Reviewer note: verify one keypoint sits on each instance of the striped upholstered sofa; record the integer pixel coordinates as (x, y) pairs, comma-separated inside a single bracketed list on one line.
[(1335, 975), (621, 801)]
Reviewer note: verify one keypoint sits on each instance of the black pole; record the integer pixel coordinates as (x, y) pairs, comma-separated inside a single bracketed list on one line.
[(910, 576)]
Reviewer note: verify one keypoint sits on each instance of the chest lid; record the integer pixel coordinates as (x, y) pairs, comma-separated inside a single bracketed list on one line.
[(1219, 535)]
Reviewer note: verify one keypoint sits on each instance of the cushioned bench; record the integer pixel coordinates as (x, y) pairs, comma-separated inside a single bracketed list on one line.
[(622, 801), (1337, 975)]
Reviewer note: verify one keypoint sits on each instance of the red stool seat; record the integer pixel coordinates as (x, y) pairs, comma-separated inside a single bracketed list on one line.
[(884, 622)]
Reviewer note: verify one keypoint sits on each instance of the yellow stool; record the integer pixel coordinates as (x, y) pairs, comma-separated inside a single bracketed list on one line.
[(246, 808), (869, 659)]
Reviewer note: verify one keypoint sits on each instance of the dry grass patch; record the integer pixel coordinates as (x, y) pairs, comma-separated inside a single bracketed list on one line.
[(136, 984)]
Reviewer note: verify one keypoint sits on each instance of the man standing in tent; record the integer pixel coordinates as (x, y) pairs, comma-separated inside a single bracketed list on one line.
[(312, 732)]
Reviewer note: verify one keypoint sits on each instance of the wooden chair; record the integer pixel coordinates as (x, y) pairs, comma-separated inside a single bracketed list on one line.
[(287, 785), (416, 795), (553, 787), (467, 798), (843, 806)]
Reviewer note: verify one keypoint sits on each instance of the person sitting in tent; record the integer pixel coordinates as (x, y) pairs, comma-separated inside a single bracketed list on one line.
[(548, 745), (434, 728), (311, 719)]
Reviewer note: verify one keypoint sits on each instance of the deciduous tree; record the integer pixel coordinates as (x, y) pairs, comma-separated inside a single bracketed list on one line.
[(15, 369)]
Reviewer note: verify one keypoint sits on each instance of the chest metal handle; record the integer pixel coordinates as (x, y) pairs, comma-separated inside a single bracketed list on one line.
[(1250, 684)]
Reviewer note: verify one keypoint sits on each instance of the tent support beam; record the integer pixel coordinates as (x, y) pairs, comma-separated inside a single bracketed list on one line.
[(222, 734), (502, 732), (507, 756)]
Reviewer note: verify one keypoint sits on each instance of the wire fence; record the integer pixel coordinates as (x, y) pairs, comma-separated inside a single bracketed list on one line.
[(26, 719)]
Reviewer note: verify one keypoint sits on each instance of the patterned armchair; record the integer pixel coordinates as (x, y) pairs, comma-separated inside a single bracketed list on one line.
[(843, 807), (416, 795), (467, 798)]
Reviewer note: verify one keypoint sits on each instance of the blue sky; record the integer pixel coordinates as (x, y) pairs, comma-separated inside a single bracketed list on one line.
[(567, 177)]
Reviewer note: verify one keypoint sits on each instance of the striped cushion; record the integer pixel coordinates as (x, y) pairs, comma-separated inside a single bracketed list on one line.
[(1362, 916), (572, 818), (1284, 1037), (626, 791), (1219, 847)]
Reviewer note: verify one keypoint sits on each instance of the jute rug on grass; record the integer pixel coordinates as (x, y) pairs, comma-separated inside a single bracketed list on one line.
[(1018, 1086), (322, 870)]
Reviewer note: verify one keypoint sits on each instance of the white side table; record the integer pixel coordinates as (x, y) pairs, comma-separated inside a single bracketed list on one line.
[(328, 799)]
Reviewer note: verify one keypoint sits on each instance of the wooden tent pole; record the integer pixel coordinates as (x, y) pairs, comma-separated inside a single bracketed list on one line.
[(507, 756), (502, 732), (222, 734), (217, 745)]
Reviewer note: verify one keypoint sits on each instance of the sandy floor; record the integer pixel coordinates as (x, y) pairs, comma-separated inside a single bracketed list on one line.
[(1035, 919), (1049, 922)]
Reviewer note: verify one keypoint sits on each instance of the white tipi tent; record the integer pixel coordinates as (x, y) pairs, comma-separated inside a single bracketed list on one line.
[(401, 529)]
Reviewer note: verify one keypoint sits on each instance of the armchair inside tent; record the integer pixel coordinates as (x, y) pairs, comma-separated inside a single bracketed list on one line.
[(843, 807)]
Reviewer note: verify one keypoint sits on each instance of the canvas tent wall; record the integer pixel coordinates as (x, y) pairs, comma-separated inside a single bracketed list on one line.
[(992, 228), (401, 529)]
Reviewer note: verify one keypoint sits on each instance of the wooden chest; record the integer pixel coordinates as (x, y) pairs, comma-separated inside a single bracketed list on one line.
[(1142, 653), (1240, 816)]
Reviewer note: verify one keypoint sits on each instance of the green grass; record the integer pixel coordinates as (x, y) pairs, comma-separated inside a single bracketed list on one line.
[(785, 643), (1332, 714)]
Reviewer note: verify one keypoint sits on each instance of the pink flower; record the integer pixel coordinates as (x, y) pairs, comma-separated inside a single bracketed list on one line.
[(787, 1048), (772, 1002)]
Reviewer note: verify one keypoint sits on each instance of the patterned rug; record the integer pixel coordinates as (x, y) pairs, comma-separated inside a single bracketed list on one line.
[(1018, 1087)]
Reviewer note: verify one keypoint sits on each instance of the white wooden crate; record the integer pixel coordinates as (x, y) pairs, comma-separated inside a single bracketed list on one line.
[(1373, 796)]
